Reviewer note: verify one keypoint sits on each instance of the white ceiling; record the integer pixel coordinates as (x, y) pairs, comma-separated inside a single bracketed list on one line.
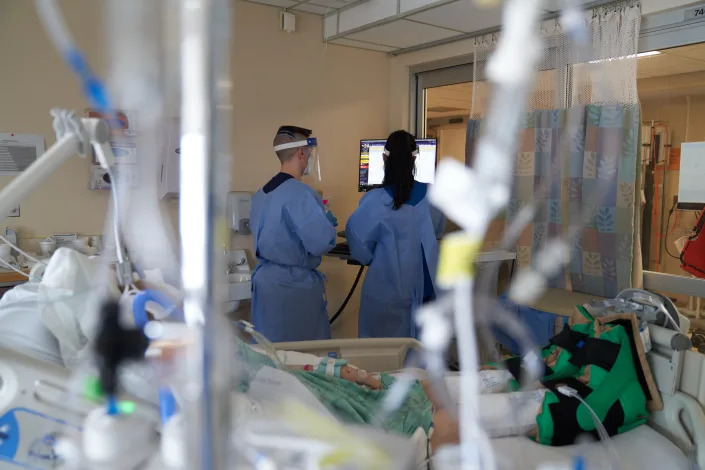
[(674, 61), (673, 72), (319, 7), (397, 26)]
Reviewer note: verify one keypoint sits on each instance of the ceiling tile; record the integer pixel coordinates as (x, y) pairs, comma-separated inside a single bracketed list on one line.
[(366, 13), (667, 64), (695, 51), (461, 16), (402, 34), (332, 3), (276, 3), (330, 26), (408, 5), (555, 5), (362, 45), (311, 8)]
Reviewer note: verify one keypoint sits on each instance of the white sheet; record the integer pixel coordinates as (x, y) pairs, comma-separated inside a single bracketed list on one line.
[(21, 327), (640, 449)]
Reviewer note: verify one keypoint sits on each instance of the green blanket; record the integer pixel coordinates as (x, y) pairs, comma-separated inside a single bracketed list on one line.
[(350, 402)]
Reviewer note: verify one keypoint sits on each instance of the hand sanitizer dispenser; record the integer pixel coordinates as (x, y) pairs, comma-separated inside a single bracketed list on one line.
[(239, 205)]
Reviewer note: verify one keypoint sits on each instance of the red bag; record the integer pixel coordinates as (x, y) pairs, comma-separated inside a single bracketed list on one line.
[(693, 254)]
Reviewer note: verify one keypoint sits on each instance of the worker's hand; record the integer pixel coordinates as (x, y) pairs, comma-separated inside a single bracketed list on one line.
[(333, 219), (360, 377)]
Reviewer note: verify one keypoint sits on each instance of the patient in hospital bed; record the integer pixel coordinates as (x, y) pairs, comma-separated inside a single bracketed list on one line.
[(37, 320)]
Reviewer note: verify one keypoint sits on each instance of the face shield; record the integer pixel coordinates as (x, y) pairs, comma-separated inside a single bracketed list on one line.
[(314, 162), (415, 153)]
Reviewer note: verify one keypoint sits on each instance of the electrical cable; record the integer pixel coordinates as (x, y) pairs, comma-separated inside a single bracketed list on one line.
[(347, 299), (668, 252)]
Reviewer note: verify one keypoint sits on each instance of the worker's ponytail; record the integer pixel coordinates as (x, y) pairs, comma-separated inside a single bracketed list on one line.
[(399, 166)]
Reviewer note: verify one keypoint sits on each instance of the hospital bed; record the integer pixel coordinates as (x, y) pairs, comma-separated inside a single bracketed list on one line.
[(673, 439)]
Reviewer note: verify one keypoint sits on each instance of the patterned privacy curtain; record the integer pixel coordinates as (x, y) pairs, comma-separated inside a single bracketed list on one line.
[(601, 158), (577, 159)]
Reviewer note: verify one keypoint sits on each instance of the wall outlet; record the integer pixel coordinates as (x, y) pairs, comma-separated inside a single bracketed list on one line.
[(15, 212)]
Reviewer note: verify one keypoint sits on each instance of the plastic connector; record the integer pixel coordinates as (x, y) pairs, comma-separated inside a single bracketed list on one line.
[(567, 391)]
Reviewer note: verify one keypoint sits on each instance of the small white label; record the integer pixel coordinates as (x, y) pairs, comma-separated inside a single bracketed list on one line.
[(694, 13)]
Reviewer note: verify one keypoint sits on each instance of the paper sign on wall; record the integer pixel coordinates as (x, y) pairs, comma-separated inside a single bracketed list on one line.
[(18, 151)]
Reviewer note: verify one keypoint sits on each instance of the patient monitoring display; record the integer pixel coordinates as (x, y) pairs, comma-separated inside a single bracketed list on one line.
[(372, 162)]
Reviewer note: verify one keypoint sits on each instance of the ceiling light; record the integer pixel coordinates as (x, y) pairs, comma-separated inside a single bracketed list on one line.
[(638, 56), (647, 54)]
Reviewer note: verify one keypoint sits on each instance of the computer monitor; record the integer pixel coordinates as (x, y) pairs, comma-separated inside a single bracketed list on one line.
[(372, 162)]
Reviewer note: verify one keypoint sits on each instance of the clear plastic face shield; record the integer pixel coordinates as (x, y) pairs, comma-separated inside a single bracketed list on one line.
[(314, 162), (414, 154)]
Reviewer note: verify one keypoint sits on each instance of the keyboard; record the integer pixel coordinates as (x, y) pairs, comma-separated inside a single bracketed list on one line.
[(341, 249)]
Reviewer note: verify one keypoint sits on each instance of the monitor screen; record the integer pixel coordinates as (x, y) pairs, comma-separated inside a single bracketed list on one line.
[(372, 162)]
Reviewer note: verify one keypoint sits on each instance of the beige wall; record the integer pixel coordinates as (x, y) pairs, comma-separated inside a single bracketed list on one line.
[(341, 93), (674, 111), (34, 80), (278, 78)]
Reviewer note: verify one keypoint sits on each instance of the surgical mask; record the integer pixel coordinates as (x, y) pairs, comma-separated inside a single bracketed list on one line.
[(313, 159)]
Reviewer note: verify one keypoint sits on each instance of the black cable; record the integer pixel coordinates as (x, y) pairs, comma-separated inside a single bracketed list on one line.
[(347, 299), (665, 242)]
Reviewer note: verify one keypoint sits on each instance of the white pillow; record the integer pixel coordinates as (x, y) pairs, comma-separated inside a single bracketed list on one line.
[(68, 301), (21, 328)]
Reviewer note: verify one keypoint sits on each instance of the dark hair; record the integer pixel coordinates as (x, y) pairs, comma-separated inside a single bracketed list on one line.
[(399, 166)]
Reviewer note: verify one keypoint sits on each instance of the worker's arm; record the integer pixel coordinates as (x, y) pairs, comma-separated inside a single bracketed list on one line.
[(361, 234), (308, 220), (438, 220)]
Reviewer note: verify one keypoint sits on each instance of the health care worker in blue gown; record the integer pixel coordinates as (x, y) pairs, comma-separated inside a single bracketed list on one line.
[(394, 231), (291, 232)]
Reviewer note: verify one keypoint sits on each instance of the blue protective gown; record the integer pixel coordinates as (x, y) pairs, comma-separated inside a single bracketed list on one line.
[(401, 249), (291, 232)]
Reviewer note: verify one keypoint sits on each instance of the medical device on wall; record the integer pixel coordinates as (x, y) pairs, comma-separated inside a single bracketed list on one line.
[(169, 172), (239, 205), (73, 137), (691, 190), (693, 255), (372, 162)]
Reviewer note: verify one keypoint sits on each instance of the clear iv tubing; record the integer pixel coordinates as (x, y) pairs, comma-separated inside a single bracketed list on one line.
[(262, 341), (93, 88), (599, 427), (116, 217), (28, 256), (476, 451), (510, 71), (54, 24)]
